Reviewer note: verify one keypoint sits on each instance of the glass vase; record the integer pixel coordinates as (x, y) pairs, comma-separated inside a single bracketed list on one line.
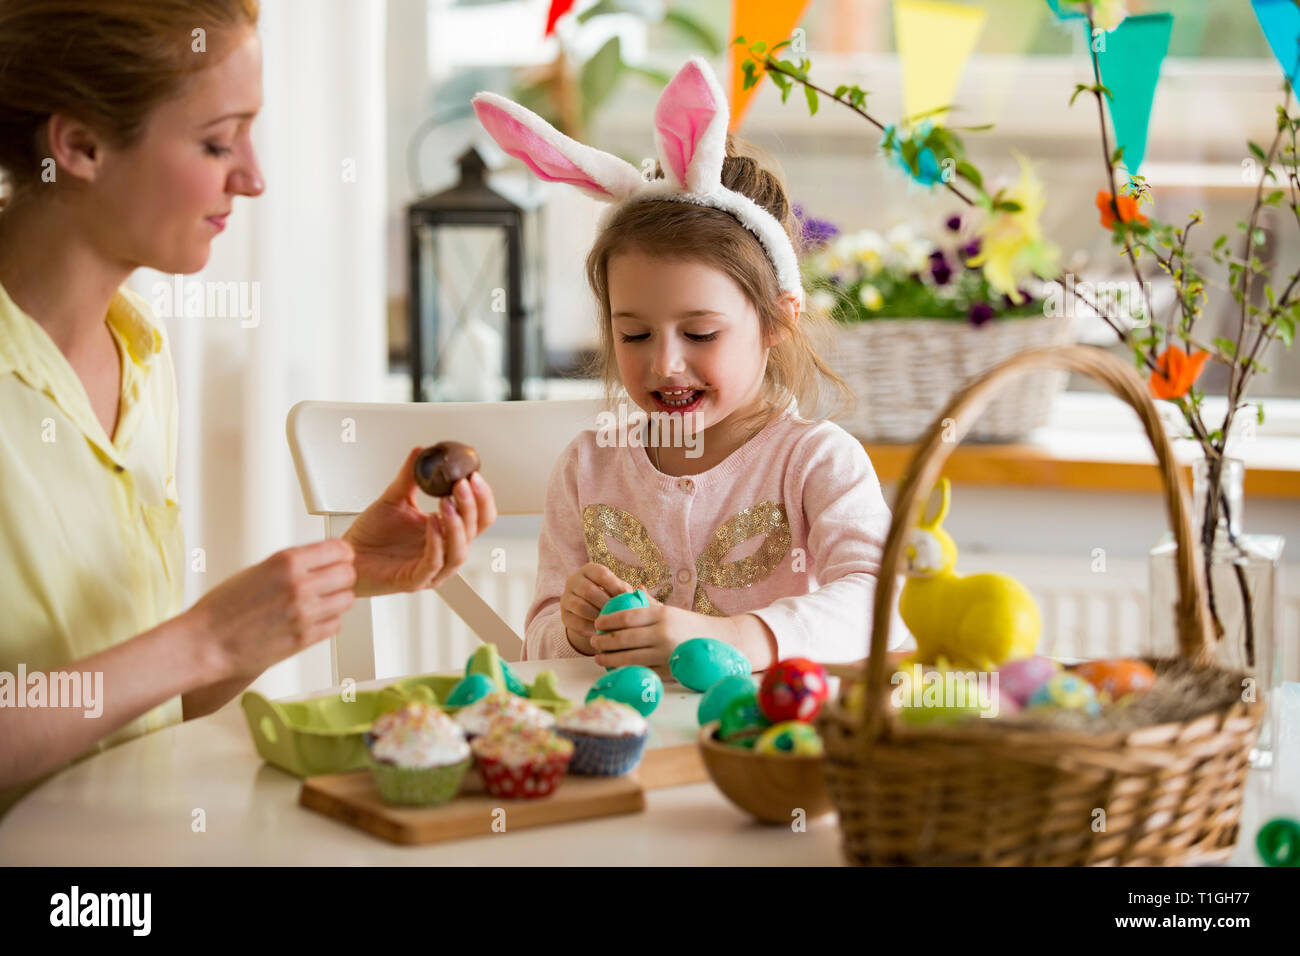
[(1248, 644)]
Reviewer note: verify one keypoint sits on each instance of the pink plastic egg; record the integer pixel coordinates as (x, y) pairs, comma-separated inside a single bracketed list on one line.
[(1019, 679)]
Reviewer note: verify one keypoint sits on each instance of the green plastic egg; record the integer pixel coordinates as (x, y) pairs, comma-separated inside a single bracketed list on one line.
[(701, 662), (470, 689), (790, 737), (717, 697), (624, 601), (742, 721), (638, 687)]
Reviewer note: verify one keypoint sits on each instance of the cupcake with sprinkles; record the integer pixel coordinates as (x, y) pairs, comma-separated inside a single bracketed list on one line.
[(418, 755), (608, 737), (521, 761), (504, 707)]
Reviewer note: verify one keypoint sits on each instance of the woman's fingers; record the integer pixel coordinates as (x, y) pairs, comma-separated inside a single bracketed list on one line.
[(463, 494), (487, 505)]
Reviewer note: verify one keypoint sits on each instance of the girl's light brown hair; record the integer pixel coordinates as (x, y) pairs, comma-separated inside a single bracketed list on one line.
[(107, 63), (679, 230)]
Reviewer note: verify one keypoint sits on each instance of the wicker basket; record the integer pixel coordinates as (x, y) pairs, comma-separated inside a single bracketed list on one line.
[(986, 792), (903, 371)]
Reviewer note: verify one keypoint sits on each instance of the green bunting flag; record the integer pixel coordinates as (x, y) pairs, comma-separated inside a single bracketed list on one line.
[(1130, 57)]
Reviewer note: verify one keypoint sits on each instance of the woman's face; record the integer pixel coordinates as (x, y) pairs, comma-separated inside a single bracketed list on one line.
[(162, 200), (684, 325)]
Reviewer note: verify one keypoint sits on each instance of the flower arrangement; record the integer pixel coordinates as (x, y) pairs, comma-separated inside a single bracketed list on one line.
[(1013, 250), (864, 275)]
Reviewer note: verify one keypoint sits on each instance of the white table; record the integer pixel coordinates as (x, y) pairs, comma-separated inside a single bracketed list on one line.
[(135, 805)]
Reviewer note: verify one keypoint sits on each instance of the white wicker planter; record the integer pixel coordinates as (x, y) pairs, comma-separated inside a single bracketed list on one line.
[(903, 372)]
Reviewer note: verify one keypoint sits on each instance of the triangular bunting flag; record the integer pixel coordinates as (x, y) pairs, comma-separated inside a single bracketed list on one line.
[(771, 21), (934, 42), (1280, 21), (1130, 68)]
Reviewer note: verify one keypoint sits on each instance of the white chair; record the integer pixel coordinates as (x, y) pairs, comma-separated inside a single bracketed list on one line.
[(347, 453)]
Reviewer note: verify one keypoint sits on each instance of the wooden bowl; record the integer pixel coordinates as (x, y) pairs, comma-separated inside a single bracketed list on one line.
[(768, 786)]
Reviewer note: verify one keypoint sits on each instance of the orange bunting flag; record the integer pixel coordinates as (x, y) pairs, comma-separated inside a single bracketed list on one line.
[(1180, 372), (770, 21), (1128, 210)]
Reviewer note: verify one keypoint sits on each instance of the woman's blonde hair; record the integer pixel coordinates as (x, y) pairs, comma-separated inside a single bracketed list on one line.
[(679, 230)]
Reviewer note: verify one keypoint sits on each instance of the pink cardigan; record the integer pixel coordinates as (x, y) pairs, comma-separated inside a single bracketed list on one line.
[(789, 527)]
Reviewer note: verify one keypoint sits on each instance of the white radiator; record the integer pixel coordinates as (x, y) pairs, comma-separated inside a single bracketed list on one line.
[(1085, 614)]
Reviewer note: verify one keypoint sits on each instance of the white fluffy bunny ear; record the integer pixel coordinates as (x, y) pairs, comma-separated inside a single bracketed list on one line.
[(691, 128), (553, 156)]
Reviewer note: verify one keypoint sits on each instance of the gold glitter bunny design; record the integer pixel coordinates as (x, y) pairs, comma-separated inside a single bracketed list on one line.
[(765, 518)]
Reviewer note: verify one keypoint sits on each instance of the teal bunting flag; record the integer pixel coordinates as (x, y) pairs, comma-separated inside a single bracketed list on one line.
[(1130, 68), (1280, 21), (1069, 12)]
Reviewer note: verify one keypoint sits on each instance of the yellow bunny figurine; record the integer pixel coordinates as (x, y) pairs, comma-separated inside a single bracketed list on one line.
[(978, 621)]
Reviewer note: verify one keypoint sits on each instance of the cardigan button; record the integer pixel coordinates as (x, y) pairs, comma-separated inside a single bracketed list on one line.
[(683, 576), (687, 486)]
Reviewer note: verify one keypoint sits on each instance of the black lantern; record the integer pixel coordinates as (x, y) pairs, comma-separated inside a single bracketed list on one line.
[(475, 265)]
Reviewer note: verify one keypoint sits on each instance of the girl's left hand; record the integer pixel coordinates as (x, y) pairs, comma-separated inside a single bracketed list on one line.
[(649, 635), (401, 548)]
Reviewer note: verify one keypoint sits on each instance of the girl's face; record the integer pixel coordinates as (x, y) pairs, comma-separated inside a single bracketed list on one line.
[(686, 338), (160, 202)]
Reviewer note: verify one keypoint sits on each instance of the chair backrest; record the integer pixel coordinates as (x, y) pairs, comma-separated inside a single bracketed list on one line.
[(346, 453)]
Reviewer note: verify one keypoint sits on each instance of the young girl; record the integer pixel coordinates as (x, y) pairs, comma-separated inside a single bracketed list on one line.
[(765, 529), (124, 145)]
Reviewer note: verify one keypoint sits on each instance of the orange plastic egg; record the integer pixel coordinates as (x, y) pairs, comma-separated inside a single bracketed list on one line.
[(1117, 678)]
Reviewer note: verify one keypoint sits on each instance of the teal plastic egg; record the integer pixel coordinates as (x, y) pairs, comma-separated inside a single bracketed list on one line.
[(470, 689), (1068, 692), (717, 697), (623, 602), (701, 662), (638, 687), (742, 721), (513, 683)]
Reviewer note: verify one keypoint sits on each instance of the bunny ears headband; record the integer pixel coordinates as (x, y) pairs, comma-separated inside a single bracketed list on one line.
[(691, 137)]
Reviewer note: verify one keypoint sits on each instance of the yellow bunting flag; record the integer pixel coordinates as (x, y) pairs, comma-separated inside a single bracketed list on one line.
[(771, 21), (934, 40)]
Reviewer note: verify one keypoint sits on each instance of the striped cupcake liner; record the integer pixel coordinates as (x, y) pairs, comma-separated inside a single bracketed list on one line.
[(418, 786), (597, 756)]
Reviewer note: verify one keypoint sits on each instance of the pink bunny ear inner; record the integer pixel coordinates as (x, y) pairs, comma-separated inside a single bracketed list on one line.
[(686, 108), (543, 158)]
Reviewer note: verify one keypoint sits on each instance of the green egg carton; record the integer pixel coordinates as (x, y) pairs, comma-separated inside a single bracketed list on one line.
[(328, 734)]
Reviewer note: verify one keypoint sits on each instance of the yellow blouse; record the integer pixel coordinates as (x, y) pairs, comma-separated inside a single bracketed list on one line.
[(91, 547)]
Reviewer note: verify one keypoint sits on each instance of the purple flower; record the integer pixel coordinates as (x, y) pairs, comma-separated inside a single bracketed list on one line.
[(954, 223), (970, 250), (939, 268), (980, 313), (814, 232)]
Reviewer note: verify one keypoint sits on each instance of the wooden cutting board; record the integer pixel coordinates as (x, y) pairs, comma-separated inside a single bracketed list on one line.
[(353, 798), (671, 767)]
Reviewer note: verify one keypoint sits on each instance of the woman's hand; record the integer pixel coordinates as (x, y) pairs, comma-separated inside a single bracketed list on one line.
[(272, 610), (401, 548), (585, 593)]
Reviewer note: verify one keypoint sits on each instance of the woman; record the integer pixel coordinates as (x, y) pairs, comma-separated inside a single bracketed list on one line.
[(124, 140)]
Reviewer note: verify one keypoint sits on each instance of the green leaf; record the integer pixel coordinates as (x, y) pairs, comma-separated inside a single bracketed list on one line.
[(1010, 205), (1116, 156), (1220, 242), (649, 72), (759, 47), (1259, 414), (782, 45), (811, 96), (599, 76), (1273, 198), (695, 30), (1226, 346), (1254, 148), (971, 174), (841, 90)]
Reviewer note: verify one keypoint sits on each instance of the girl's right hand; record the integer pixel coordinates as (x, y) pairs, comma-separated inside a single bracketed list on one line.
[(272, 610), (585, 593)]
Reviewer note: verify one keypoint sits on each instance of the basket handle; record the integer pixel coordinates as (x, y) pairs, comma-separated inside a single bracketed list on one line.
[(923, 471)]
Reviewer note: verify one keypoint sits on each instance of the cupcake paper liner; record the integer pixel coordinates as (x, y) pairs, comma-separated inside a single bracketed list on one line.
[(537, 778), (419, 786), (597, 756)]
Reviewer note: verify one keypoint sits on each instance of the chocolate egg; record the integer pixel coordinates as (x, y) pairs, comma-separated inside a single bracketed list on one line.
[(1117, 678), (440, 466)]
